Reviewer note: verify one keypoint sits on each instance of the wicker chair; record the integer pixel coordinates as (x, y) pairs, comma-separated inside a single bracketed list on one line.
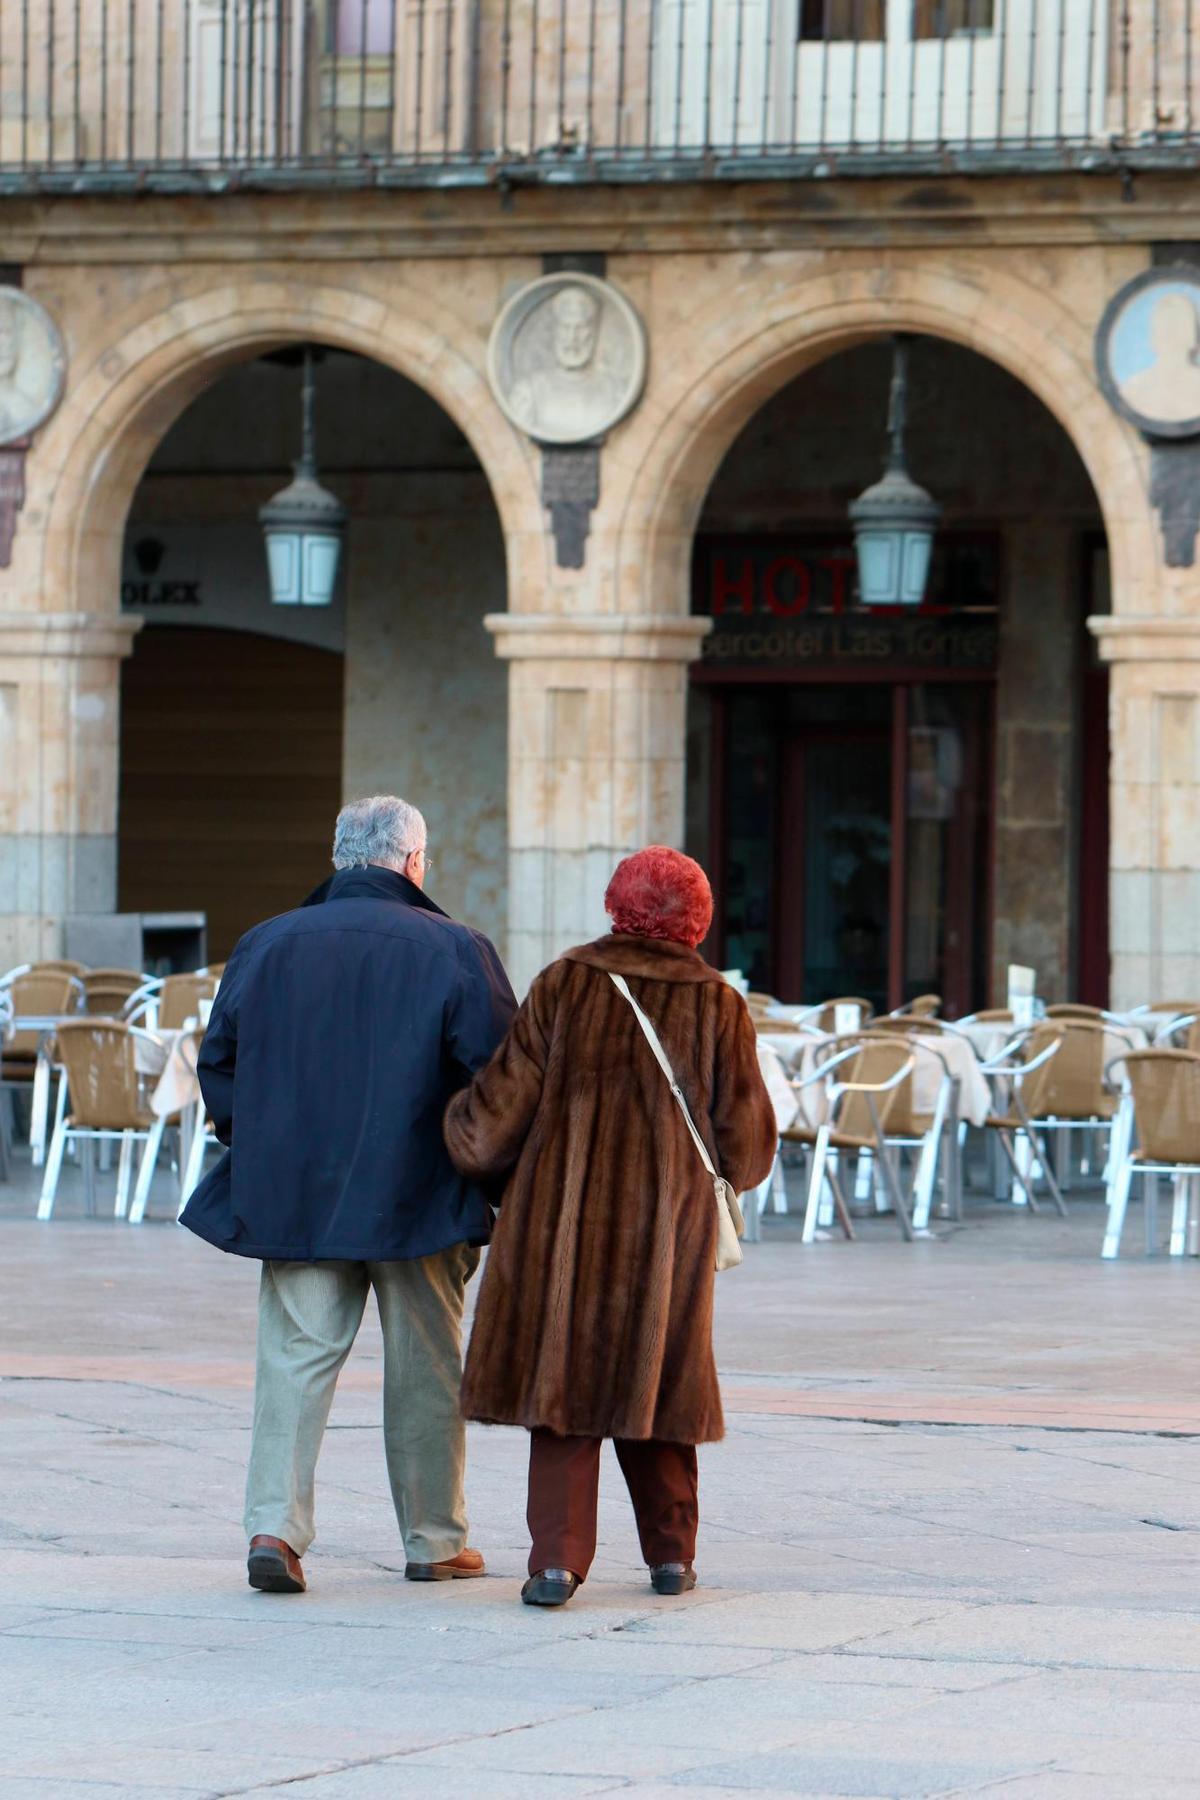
[(179, 999), (823, 1016), (1075, 1096), (167, 1005), (1022, 1061), (912, 1128), (1165, 1086), (910, 1024), (862, 1098), (106, 1105), (106, 992), (26, 1062), (923, 1006)]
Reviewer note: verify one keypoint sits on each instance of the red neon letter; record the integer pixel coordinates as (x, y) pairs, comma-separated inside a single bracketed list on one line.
[(839, 568), (727, 587), (786, 609)]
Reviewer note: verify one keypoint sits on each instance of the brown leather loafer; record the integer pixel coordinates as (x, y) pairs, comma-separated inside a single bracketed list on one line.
[(273, 1567), (463, 1567)]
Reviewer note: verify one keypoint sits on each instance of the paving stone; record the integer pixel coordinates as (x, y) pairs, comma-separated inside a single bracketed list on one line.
[(422, 1779), (52, 1787), (883, 1611)]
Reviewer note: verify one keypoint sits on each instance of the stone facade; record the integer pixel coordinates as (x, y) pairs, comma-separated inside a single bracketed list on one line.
[(741, 290)]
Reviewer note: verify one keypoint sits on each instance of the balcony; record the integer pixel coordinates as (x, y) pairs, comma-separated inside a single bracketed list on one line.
[(205, 95)]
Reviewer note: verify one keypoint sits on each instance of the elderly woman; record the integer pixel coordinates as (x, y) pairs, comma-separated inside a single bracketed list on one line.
[(595, 1316)]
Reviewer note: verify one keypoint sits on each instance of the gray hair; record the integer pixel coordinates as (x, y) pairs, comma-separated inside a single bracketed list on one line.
[(383, 829)]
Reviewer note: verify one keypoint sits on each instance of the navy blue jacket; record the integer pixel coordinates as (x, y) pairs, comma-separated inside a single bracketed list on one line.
[(339, 1033)]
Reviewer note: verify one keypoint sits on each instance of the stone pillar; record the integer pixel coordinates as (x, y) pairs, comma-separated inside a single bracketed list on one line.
[(596, 757), (1035, 746), (1155, 806), (59, 724)]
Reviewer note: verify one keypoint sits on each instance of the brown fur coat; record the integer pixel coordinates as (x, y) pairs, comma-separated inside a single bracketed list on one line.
[(595, 1315)]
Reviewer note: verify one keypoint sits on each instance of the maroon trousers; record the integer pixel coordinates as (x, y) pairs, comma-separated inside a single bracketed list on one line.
[(564, 1483)]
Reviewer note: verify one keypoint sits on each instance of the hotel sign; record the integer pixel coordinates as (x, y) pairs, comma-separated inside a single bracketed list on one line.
[(784, 601)]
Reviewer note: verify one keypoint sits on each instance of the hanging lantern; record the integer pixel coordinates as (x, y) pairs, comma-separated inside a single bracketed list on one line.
[(894, 521), (304, 524)]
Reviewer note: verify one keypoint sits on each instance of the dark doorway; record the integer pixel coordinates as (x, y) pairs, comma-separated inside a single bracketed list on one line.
[(851, 838), (231, 768)]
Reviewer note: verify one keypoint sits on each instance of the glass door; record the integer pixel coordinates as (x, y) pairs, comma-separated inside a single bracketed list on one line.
[(836, 857), (854, 840), (941, 843)]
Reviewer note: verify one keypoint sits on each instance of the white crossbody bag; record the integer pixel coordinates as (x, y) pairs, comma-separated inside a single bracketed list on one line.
[(730, 1224)]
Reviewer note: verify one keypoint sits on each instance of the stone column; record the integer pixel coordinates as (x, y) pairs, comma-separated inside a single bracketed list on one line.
[(59, 723), (596, 756), (1155, 806), (1035, 746)]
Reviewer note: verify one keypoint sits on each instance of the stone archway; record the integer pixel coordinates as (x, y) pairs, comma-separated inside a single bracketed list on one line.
[(735, 359), (132, 374), (139, 382), (599, 676), (730, 359)]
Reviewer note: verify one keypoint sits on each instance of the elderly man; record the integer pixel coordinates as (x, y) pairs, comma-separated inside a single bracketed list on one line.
[(338, 1036)]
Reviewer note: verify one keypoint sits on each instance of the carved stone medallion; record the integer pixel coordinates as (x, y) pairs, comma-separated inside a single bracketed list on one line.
[(32, 365), (1148, 351), (567, 358)]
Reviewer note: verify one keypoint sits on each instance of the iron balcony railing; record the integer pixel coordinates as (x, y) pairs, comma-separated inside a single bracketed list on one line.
[(179, 94)]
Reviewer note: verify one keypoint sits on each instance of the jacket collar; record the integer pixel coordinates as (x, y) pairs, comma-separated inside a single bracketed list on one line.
[(654, 959), (373, 883)]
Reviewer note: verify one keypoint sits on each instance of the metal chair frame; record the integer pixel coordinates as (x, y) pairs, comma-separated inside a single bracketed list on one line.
[(7, 1098), (804, 1014), (1015, 1073), (44, 1068), (142, 1004), (821, 1165), (928, 1144)]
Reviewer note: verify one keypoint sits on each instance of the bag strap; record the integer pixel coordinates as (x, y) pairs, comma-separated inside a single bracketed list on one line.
[(652, 1038)]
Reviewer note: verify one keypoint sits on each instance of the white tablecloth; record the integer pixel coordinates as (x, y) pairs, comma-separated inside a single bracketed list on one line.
[(783, 1095), (988, 1038), (177, 1085), (813, 1100), (783, 1044), (958, 1056), (802, 1052)]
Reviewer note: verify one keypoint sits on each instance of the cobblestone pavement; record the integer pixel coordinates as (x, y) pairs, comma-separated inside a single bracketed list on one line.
[(949, 1545)]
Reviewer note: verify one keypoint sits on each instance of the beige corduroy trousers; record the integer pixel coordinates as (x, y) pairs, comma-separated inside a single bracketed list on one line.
[(308, 1318)]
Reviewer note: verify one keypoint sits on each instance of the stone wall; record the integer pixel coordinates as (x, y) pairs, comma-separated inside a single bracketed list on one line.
[(743, 288), (426, 700)]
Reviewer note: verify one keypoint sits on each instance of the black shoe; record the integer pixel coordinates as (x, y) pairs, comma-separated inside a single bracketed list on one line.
[(672, 1578), (549, 1587)]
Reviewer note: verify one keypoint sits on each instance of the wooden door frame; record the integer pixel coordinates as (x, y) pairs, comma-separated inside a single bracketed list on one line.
[(724, 680), (791, 874)]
